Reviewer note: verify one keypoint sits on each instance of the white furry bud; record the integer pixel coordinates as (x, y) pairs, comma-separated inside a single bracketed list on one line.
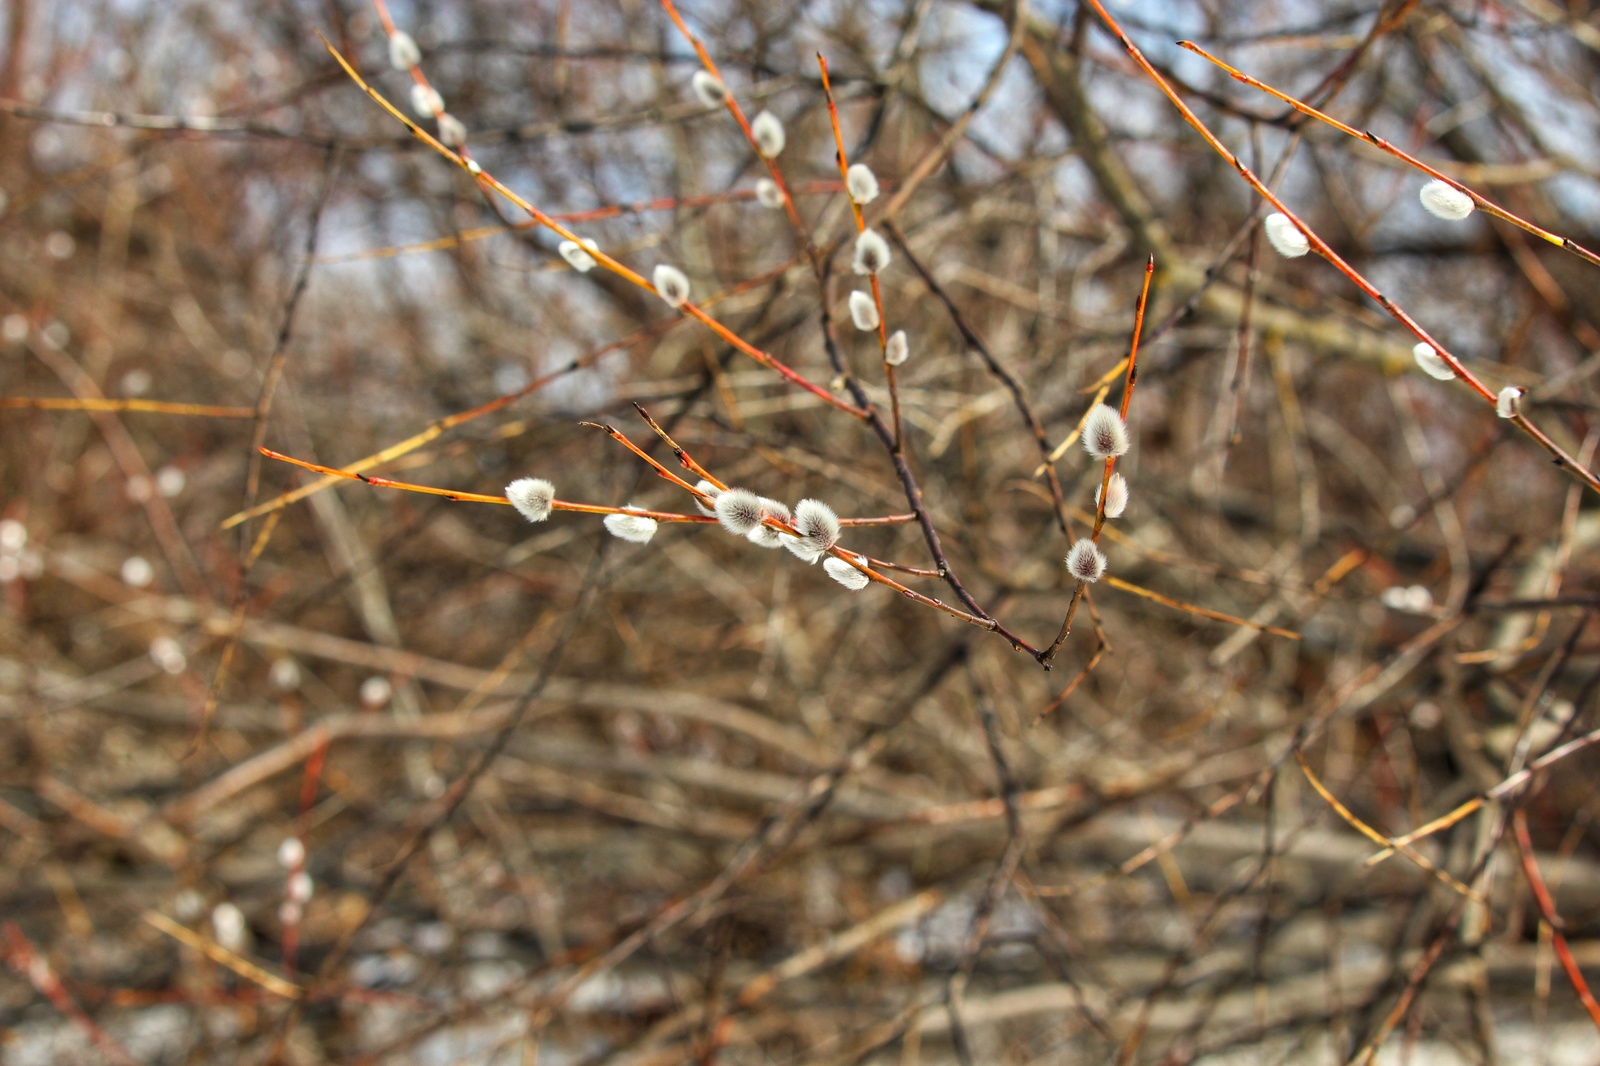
[(708, 489), (861, 183), (672, 285), (403, 51), (1433, 366), (768, 132), (532, 496), (426, 101), (299, 887), (863, 312), (229, 926), (768, 194), (802, 550), (709, 88), (1284, 236), (576, 253), (1509, 402), (898, 348), (764, 535), (1104, 433), (452, 134), (1116, 496), (818, 527), (1445, 201), (1085, 562), (872, 253), (739, 511), (291, 853), (845, 574), (631, 527)]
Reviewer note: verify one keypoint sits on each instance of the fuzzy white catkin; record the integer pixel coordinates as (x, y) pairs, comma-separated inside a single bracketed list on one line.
[(426, 101), (898, 348), (672, 285), (768, 194), (861, 183), (845, 574), (803, 549), (1116, 496), (863, 312), (739, 511), (706, 488), (767, 129), (631, 527), (1085, 562), (1508, 402), (764, 535), (533, 497), (137, 572), (1105, 435), (1428, 359), (403, 51), (375, 691), (817, 525), (227, 922), (452, 134), (872, 253), (1284, 236), (1443, 200), (299, 887), (709, 89), (291, 853), (576, 253)]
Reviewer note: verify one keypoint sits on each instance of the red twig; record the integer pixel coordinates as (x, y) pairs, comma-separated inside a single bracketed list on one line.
[(21, 956), (1547, 910)]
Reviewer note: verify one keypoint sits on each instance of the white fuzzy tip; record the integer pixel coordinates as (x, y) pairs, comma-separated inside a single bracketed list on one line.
[(631, 527), (299, 887), (764, 535), (818, 527), (291, 853), (534, 497), (672, 285), (403, 51), (1433, 366), (803, 550), (1104, 433), (767, 129), (862, 183), (1085, 562), (426, 101), (576, 253), (845, 574), (1509, 402), (898, 348), (1116, 496), (768, 194), (872, 253), (229, 926), (708, 489), (452, 134), (739, 511), (863, 312), (1284, 236), (709, 89), (1445, 201)]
